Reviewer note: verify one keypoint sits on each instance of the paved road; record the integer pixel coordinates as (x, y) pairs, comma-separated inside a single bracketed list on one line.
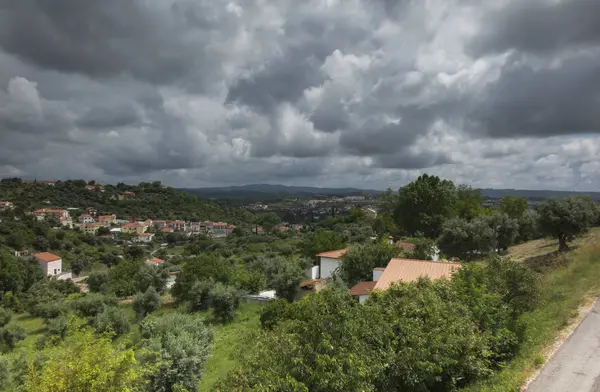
[(576, 365)]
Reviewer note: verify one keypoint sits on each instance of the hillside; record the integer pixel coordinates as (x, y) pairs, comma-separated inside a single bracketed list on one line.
[(264, 192), (145, 200)]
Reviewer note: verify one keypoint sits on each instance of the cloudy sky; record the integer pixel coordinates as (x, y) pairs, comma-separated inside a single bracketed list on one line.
[(501, 93)]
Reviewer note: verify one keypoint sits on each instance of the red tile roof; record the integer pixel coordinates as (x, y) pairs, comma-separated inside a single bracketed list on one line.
[(333, 254), (155, 260), (46, 256), (310, 282), (362, 288), (409, 270)]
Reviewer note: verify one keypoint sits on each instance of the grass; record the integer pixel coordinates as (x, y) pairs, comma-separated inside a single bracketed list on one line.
[(229, 338), (564, 290), (33, 326)]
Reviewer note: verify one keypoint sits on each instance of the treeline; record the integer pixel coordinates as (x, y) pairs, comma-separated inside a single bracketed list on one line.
[(423, 336), (454, 216), (149, 200)]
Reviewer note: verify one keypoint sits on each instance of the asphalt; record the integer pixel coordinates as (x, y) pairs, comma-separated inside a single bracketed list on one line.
[(576, 365)]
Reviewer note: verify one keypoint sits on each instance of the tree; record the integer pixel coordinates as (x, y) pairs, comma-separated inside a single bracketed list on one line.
[(199, 296), (180, 344), (134, 252), (224, 300), (146, 303), (468, 202), (150, 275), (97, 282), (85, 362), (206, 266), (529, 226), (467, 240), (322, 241), (17, 275), (273, 313), (424, 205), (360, 260), (513, 206), (121, 277), (91, 304), (506, 230), (5, 316), (286, 281), (567, 218), (111, 319), (268, 220)]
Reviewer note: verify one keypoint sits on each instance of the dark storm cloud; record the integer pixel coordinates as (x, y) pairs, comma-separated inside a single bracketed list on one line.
[(102, 37), (540, 26), (545, 102), (241, 92)]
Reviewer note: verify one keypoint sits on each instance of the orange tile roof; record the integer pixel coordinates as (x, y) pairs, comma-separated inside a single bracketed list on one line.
[(310, 282), (156, 260), (145, 235), (333, 254), (409, 270), (362, 288), (46, 256)]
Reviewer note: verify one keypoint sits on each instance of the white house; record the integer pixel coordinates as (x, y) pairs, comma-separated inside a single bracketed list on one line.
[(144, 237), (329, 262), (50, 263)]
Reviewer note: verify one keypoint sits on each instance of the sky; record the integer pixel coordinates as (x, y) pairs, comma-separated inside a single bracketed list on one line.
[(332, 93)]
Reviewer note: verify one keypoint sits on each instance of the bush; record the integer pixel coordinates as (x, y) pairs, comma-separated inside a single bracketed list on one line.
[(224, 301), (146, 303), (180, 344), (5, 377), (112, 319), (273, 313), (11, 334), (97, 282), (5, 316), (57, 327), (91, 304)]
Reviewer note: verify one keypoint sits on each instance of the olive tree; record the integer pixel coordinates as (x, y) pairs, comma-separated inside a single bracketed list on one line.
[(567, 218)]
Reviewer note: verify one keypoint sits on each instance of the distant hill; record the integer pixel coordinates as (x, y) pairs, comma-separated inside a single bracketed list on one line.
[(536, 194), (266, 192), (269, 192), (145, 200)]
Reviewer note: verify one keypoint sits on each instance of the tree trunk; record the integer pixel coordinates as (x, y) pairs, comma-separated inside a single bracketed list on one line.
[(562, 242)]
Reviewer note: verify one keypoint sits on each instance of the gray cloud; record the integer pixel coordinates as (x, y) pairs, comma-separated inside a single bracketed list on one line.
[(540, 26), (316, 93)]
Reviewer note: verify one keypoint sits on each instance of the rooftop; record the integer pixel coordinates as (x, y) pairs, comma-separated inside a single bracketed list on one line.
[(155, 260), (46, 256), (333, 254), (362, 288), (409, 270)]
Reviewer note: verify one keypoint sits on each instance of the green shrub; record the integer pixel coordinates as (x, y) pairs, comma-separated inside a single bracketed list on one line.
[(112, 318), (146, 303), (224, 300), (199, 296), (5, 316)]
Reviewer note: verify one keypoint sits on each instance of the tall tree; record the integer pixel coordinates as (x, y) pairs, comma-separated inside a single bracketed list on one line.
[(567, 218), (513, 206), (424, 205), (468, 202), (360, 260)]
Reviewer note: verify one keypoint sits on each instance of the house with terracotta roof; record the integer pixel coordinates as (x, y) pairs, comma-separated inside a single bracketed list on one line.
[(329, 262), (403, 270), (51, 264), (144, 237), (154, 261), (43, 213)]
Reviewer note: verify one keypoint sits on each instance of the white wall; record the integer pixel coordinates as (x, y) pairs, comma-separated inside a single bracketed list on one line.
[(49, 268), (377, 274), (328, 266), (363, 298), (313, 272)]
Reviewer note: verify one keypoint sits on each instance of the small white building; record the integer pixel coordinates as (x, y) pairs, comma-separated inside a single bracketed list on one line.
[(51, 264), (144, 237), (329, 262)]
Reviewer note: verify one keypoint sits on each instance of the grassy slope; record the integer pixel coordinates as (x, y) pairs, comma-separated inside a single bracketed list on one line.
[(228, 340), (567, 281)]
